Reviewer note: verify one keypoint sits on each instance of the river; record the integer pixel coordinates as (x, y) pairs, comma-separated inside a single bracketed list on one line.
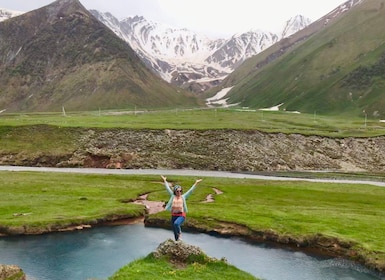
[(99, 252)]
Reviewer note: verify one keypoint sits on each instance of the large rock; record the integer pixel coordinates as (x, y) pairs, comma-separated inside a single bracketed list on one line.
[(11, 272), (180, 253), (176, 250)]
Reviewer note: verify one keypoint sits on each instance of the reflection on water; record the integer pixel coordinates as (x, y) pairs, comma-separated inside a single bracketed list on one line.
[(99, 252)]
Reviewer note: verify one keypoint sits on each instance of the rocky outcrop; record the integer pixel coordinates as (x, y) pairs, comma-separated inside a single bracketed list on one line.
[(180, 253), (224, 150), (11, 272), (227, 150)]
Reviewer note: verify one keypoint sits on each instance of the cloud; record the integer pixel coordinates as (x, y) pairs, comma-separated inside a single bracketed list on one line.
[(211, 17), (229, 17)]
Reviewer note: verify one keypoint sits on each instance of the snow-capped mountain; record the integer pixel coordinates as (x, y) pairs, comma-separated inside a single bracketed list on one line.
[(293, 25), (239, 47), (7, 14), (183, 57), (177, 55), (188, 59)]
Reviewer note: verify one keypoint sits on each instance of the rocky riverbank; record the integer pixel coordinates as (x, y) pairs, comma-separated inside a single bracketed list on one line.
[(223, 150)]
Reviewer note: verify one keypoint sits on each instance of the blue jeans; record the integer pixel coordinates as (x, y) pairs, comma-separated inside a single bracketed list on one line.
[(176, 222)]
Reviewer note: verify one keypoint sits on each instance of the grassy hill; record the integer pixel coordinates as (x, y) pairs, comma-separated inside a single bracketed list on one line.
[(61, 55), (339, 69)]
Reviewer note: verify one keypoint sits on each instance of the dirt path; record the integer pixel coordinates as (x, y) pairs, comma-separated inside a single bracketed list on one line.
[(152, 207)]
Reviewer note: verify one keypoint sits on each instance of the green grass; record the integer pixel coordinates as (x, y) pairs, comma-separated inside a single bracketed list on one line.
[(153, 268), (310, 75), (56, 199), (306, 124), (350, 212), (298, 208), (38, 139)]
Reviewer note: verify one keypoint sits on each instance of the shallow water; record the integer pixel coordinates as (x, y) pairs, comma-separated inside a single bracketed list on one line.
[(98, 253)]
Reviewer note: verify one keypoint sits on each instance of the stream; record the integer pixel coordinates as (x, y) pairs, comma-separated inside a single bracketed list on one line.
[(99, 252)]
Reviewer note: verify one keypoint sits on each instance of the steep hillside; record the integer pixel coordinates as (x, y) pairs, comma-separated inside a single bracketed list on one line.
[(339, 68), (61, 55)]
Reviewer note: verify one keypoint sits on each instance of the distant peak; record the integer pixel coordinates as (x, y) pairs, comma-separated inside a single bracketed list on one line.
[(67, 4), (61, 8), (63, 2)]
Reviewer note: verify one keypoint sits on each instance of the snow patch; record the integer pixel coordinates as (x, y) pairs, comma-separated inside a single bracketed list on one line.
[(219, 99), (7, 14), (274, 108)]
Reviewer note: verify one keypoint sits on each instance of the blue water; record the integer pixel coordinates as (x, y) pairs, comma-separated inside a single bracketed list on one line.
[(98, 253)]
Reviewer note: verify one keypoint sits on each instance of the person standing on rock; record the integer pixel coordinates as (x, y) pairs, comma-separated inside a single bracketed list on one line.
[(177, 205)]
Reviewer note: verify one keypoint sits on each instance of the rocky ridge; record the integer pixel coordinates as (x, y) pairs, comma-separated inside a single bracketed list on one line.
[(220, 150)]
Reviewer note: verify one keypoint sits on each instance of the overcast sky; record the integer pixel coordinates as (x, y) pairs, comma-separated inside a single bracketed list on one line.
[(215, 18)]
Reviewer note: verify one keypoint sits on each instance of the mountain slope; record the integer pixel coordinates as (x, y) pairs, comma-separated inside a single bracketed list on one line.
[(61, 55), (338, 69)]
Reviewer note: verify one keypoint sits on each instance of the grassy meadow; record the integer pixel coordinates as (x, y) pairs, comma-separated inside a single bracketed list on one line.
[(350, 212), (36, 201), (202, 119)]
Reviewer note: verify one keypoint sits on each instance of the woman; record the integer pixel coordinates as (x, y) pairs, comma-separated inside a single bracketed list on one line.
[(177, 205)]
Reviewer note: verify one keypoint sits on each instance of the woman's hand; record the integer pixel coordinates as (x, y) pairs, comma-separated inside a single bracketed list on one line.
[(164, 178), (198, 181)]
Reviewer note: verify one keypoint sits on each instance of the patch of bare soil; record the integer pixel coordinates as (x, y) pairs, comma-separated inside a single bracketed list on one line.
[(210, 197), (152, 207)]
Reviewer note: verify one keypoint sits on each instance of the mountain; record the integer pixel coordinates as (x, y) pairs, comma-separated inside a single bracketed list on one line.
[(7, 14), (61, 55), (307, 67), (294, 25), (335, 65), (190, 60)]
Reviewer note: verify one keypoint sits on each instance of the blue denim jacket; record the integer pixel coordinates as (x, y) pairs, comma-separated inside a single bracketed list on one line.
[(172, 195)]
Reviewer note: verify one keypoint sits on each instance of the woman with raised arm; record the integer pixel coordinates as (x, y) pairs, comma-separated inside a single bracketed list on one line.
[(177, 205)]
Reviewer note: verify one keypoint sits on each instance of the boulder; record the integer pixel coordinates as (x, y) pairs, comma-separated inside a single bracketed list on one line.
[(11, 272), (181, 254)]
